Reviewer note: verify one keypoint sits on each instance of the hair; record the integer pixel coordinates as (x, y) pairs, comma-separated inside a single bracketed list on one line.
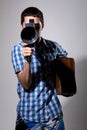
[(32, 11)]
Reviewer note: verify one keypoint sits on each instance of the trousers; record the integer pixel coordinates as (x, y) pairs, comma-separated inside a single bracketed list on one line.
[(47, 125), (50, 125)]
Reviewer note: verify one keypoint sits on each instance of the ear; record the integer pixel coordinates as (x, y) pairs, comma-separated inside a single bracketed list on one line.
[(21, 26), (42, 25)]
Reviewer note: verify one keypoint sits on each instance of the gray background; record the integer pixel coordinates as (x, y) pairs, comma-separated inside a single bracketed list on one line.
[(66, 23)]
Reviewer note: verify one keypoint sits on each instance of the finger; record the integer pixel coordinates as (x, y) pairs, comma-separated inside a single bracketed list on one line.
[(25, 44), (27, 51)]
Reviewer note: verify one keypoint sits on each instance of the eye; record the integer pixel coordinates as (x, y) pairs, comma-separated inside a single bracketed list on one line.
[(37, 26)]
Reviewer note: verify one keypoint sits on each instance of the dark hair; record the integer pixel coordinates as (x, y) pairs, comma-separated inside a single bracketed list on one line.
[(32, 11)]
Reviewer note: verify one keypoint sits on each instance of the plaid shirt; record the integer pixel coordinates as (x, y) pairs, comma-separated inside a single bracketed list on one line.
[(40, 103)]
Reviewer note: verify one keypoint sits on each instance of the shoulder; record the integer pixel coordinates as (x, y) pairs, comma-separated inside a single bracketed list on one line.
[(17, 46), (56, 47), (50, 43)]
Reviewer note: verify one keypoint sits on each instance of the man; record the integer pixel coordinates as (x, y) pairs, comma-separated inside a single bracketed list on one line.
[(39, 107)]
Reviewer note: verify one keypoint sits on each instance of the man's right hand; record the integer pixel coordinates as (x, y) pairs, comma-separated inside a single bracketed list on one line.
[(27, 51)]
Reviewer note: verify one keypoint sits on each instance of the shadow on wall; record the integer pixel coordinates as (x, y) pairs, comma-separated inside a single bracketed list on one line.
[(75, 110)]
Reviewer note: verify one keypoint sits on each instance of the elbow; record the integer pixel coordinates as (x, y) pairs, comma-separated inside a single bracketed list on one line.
[(25, 81), (26, 86)]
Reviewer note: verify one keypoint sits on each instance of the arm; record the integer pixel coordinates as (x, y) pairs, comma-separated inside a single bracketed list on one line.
[(25, 76)]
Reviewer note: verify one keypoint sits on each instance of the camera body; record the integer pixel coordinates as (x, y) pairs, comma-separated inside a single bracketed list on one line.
[(29, 34)]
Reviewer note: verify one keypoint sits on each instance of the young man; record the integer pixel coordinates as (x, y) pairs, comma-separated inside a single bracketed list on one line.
[(39, 107)]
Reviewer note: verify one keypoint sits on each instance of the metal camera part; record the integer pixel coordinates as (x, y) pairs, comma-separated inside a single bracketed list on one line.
[(29, 34)]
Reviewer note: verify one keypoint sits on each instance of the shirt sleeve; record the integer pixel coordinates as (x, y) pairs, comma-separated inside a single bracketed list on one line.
[(60, 51), (17, 58)]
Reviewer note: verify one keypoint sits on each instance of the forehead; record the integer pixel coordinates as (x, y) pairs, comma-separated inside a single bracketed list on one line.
[(27, 19)]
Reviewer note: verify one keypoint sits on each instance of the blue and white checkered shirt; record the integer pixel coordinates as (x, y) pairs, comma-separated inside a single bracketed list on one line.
[(40, 103)]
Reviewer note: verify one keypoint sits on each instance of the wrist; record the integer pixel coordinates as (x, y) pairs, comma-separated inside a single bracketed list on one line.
[(28, 58)]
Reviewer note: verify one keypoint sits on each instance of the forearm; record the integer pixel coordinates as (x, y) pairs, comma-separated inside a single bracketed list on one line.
[(25, 76)]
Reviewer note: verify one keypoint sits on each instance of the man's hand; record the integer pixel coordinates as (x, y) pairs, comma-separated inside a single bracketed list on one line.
[(27, 51)]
